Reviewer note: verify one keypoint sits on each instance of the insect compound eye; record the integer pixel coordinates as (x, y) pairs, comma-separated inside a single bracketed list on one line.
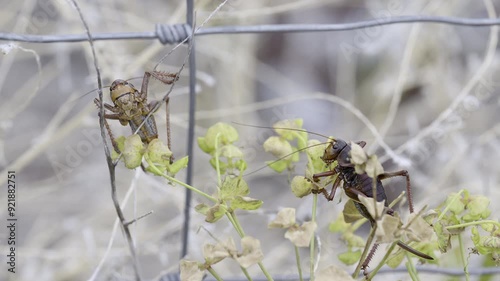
[(335, 146)]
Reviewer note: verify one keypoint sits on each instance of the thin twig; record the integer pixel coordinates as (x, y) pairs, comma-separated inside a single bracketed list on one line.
[(111, 166)]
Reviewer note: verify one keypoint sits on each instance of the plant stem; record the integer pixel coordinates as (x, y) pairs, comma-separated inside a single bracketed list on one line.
[(365, 251), (312, 247), (245, 271), (217, 165), (412, 271), (194, 189), (237, 226), (457, 196), (462, 256), (297, 258), (382, 262), (214, 273), (473, 223), (235, 222)]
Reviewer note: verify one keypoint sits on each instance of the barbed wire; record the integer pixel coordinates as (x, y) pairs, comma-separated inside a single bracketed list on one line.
[(175, 33)]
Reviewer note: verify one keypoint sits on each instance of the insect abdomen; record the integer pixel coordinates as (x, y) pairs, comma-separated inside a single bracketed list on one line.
[(148, 131)]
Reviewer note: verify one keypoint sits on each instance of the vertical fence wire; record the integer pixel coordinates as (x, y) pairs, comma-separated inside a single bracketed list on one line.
[(192, 112)]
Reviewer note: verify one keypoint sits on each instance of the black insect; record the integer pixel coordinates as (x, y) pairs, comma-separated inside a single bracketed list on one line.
[(355, 184)]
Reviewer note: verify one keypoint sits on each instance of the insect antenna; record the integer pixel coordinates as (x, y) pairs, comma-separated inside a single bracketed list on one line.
[(280, 128), (283, 157), (86, 94)]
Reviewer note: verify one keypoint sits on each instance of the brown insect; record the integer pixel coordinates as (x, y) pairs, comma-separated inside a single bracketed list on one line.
[(131, 107)]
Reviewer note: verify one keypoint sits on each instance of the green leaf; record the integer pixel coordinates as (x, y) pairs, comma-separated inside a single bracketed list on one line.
[(133, 151), (288, 124), (350, 257), (231, 151), (301, 186), (202, 208), (178, 165), (246, 203), (353, 240), (222, 165), (339, 225), (278, 147), (284, 219), (158, 152), (396, 258), (227, 135), (202, 144), (478, 208), (456, 205), (241, 165), (120, 141), (350, 212), (278, 166), (232, 187)]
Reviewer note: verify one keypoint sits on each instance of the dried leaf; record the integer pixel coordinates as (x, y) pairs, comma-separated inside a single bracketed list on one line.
[(333, 273), (373, 167), (251, 253), (190, 271), (419, 229), (370, 206), (284, 219), (388, 229), (358, 155), (301, 236), (215, 213), (214, 253)]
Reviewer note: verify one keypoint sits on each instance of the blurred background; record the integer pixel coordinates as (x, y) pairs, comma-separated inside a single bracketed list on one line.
[(423, 96)]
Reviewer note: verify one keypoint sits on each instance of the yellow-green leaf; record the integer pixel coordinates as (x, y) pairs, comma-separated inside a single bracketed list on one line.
[(349, 257), (246, 203), (232, 187), (301, 186)]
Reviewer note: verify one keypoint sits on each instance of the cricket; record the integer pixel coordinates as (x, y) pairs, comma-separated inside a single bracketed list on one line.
[(131, 107)]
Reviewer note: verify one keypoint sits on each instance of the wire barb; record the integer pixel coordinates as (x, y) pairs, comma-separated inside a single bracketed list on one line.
[(172, 33)]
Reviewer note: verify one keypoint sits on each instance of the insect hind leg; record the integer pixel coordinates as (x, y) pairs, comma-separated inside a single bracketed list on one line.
[(402, 173)]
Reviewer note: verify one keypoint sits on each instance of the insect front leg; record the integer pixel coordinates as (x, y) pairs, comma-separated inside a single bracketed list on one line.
[(402, 173), (330, 196)]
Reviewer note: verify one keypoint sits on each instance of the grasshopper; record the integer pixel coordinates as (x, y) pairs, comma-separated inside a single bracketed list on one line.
[(131, 107)]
